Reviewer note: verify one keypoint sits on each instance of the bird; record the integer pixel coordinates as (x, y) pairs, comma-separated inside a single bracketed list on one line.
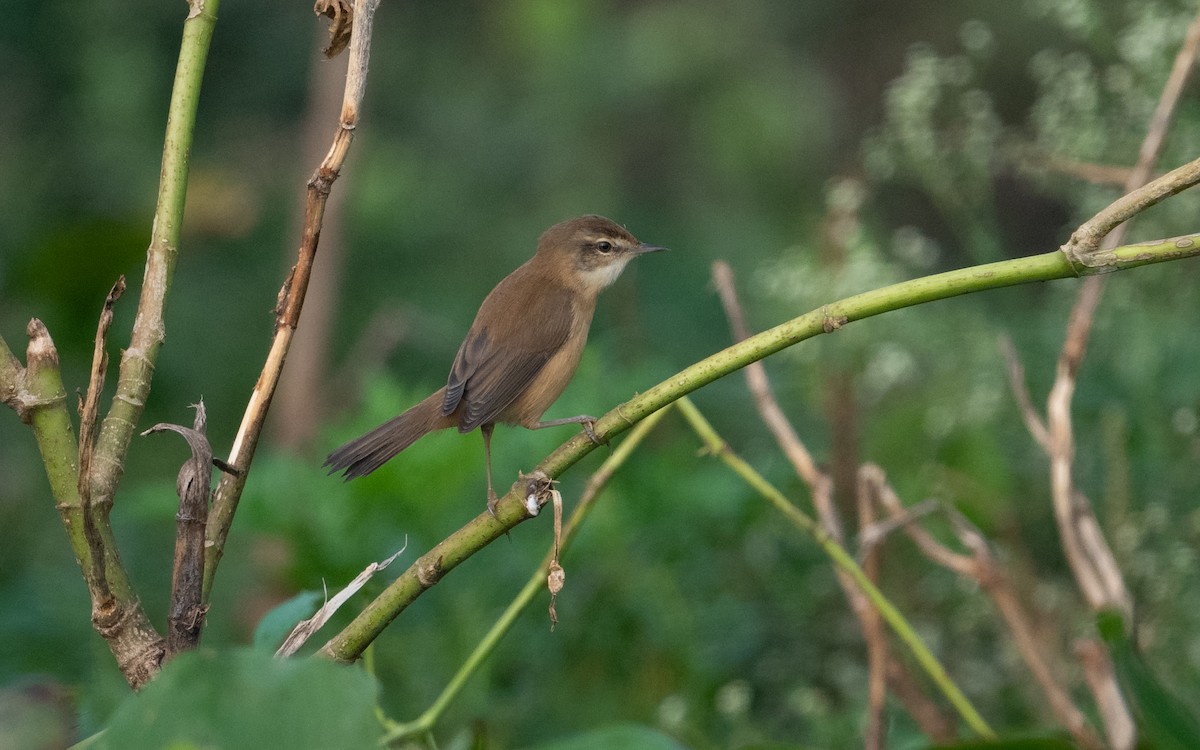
[(521, 350)]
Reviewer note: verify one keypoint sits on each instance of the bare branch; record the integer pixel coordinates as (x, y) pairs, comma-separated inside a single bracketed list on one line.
[(802, 461), (291, 295), (981, 567), (194, 483), (117, 615), (820, 485), (1097, 174), (1091, 559), (88, 410), (1016, 380), (91, 404), (874, 736), (1102, 682)]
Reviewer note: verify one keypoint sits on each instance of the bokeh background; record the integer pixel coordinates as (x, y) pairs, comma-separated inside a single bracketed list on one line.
[(821, 148)]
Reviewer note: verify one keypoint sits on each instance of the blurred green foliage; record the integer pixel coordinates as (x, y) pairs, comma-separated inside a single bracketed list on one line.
[(722, 131), (246, 698)]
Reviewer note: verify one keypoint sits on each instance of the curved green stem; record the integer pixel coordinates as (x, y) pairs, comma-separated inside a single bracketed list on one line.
[(536, 583)]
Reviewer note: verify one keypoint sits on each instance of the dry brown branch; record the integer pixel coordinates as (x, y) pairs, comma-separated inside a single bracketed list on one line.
[(982, 567), (1094, 567), (1016, 380), (301, 403), (88, 411), (939, 726), (186, 613), (1091, 559), (933, 722), (90, 407), (1097, 174), (819, 484), (1101, 678), (874, 736), (291, 296)]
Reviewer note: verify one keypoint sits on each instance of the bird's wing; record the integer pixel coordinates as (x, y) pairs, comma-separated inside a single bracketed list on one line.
[(501, 357)]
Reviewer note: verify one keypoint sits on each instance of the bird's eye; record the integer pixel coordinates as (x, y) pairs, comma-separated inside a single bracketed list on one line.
[(604, 246)]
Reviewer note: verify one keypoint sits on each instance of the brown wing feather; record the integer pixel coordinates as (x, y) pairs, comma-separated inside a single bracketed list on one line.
[(503, 353)]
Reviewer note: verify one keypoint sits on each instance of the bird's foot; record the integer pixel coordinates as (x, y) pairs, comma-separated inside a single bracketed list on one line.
[(589, 429), (492, 500)]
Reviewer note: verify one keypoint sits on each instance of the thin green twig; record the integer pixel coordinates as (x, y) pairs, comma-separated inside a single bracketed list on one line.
[(537, 581), (843, 560)]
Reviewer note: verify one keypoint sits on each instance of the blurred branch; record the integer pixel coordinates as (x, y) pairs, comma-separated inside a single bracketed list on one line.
[(844, 561), (1091, 559), (877, 646), (981, 567), (536, 582), (291, 296), (1101, 678), (820, 487), (1016, 380), (1034, 158), (776, 421)]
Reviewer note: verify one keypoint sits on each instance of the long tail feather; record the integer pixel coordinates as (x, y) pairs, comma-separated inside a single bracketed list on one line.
[(363, 455)]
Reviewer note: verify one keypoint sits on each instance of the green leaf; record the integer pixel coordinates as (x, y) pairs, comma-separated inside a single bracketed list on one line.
[(1163, 722), (625, 736), (246, 698), (276, 624)]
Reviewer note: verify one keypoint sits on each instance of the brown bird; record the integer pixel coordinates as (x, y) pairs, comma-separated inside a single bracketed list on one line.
[(521, 351)]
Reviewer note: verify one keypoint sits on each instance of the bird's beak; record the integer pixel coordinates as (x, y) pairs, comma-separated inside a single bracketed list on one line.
[(644, 248)]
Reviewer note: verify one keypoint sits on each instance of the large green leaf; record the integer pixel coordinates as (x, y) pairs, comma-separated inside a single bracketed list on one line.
[(247, 699), (1164, 723), (625, 736)]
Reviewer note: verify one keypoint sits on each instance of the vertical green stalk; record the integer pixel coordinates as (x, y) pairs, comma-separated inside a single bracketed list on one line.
[(536, 582), (138, 360)]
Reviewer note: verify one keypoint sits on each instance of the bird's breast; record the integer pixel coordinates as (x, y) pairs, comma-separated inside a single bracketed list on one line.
[(549, 383)]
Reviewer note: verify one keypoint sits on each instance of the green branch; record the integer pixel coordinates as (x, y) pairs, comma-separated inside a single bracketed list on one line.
[(536, 583), (37, 393), (481, 531), (137, 361)]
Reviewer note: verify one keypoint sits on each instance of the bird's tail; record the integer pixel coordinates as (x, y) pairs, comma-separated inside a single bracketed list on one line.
[(363, 455)]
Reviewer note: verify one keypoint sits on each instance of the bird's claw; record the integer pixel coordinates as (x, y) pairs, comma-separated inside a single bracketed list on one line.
[(589, 429)]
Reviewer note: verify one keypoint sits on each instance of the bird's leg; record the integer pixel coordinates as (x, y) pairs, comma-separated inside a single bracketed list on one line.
[(486, 429), (588, 423)]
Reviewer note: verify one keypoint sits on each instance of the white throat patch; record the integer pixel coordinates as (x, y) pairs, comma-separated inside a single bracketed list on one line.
[(604, 276)]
